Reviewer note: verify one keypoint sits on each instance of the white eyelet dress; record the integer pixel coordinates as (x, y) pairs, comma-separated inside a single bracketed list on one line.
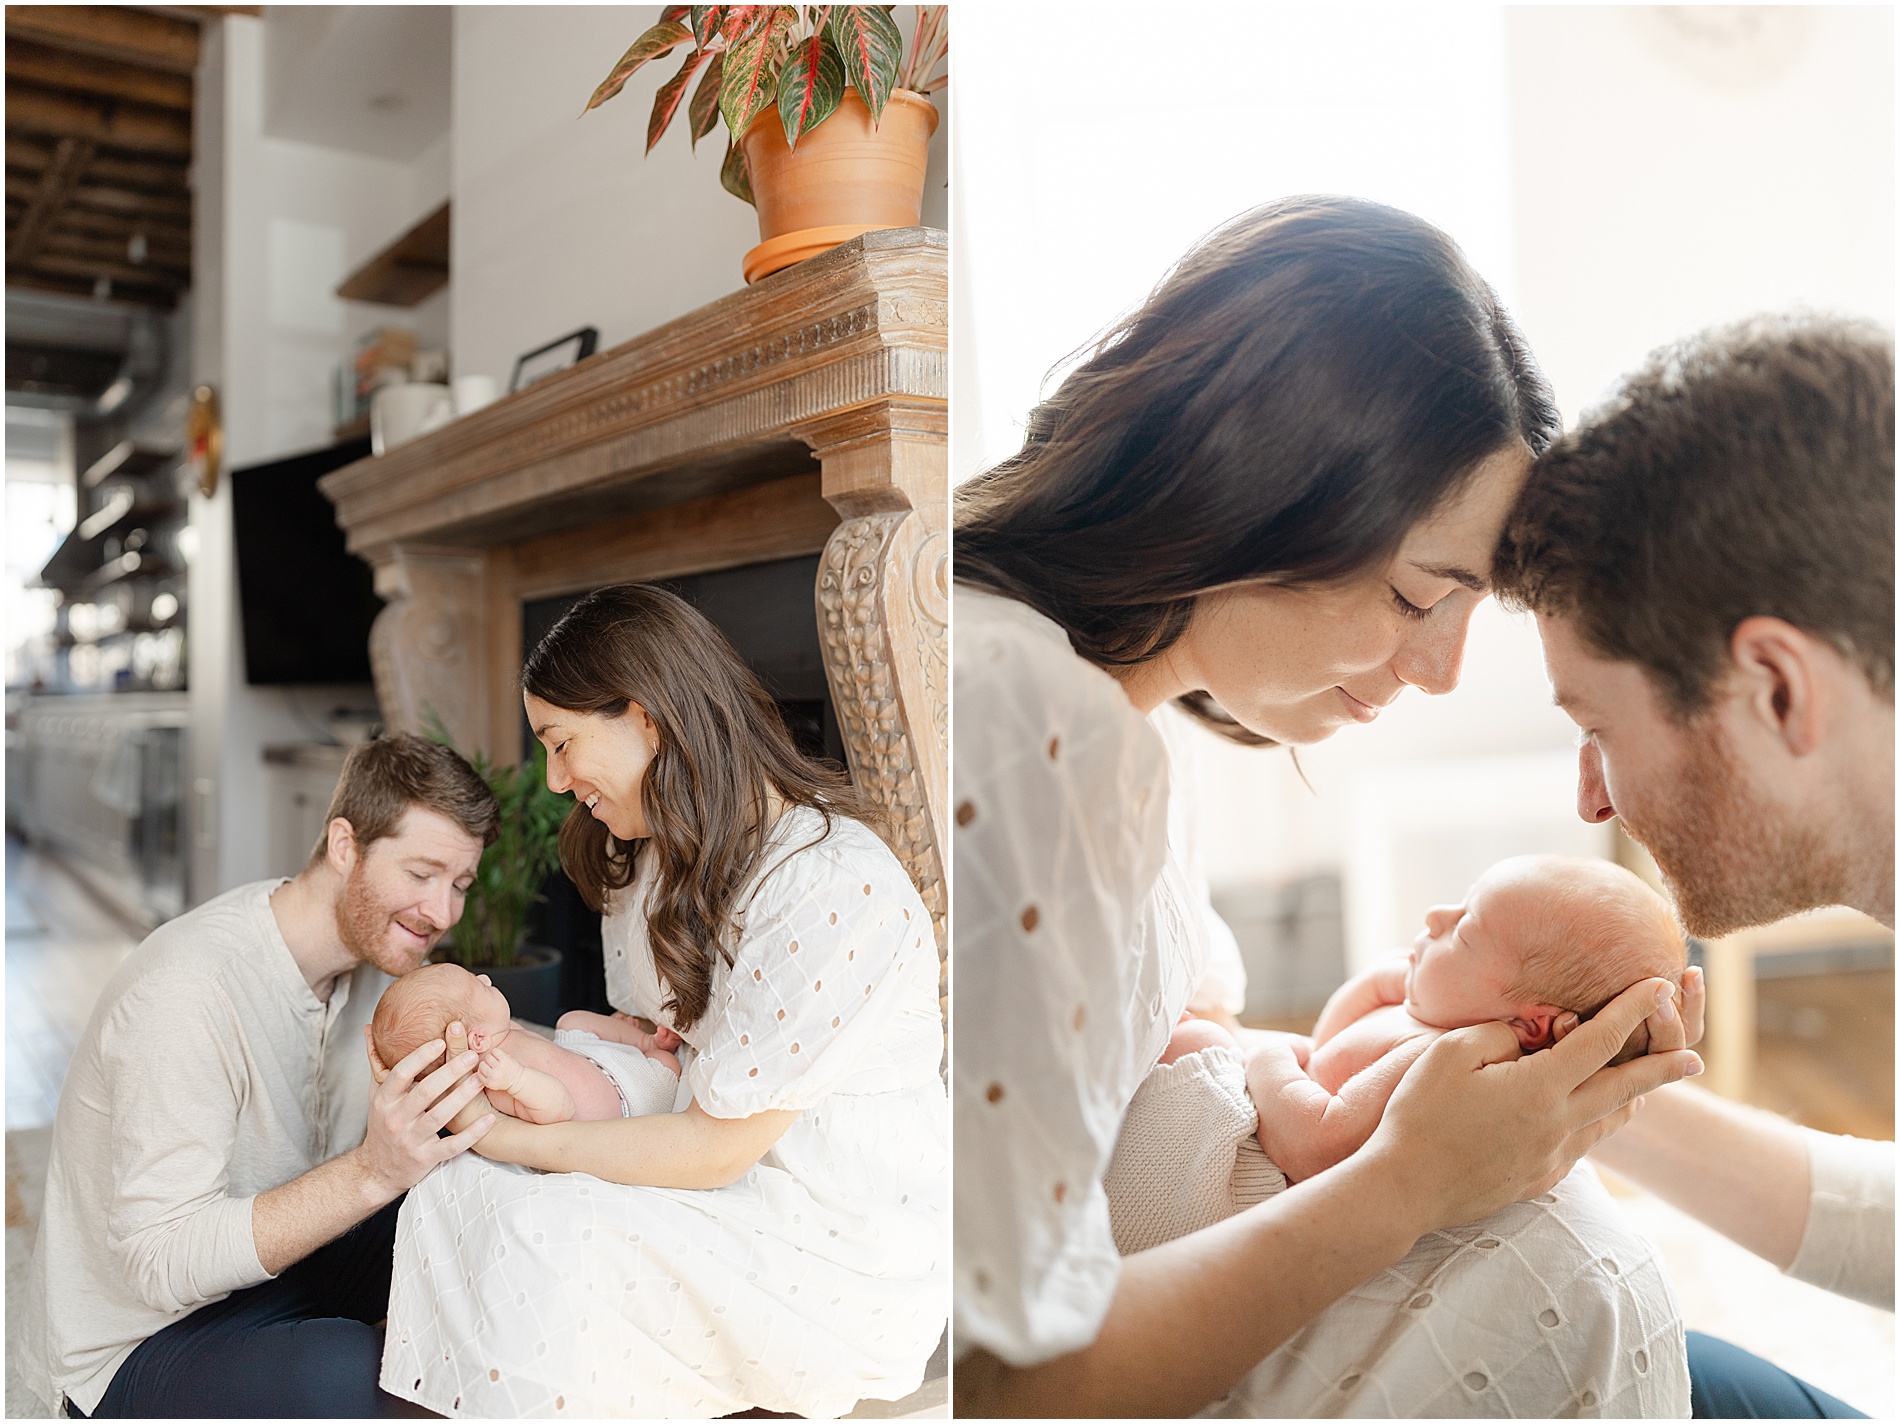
[(818, 1279), (1079, 935)]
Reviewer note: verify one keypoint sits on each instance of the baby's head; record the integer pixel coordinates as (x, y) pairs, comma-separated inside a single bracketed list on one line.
[(422, 1004), (1538, 935)]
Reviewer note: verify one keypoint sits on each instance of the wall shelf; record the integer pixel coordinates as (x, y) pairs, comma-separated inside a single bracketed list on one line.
[(414, 266)]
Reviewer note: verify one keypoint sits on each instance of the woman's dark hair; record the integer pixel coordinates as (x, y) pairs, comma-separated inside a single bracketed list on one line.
[(1307, 383), (723, 750)]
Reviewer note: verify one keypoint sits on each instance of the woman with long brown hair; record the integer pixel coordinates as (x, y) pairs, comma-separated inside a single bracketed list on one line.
[(777, 1243), (1269, 497)]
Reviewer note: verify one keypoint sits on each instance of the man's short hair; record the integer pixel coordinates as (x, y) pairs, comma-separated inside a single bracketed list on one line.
[(383, 778), (1745, 471)]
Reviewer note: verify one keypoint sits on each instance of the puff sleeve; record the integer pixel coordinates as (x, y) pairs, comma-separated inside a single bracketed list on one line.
[(1060, 808)]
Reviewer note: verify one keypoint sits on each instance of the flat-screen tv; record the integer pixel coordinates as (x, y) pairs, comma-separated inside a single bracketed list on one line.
[(305, 600)]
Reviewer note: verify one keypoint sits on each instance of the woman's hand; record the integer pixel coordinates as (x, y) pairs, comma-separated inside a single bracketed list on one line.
[(1475, 1125)]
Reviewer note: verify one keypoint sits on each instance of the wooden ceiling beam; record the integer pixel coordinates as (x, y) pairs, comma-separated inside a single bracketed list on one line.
[(109, 32), (88, 74), (151, 174), (159, 231), (28, 153), (154, 173), (143, 294), (118, 200), (120, 271), (137, 127), (49, 197), (164, 259)]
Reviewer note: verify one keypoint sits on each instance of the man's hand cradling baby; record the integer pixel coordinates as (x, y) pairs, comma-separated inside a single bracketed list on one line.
[(402, 1142)]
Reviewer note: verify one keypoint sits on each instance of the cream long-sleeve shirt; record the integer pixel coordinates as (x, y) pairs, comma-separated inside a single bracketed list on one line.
[(209, 1073), (1848, 1244)]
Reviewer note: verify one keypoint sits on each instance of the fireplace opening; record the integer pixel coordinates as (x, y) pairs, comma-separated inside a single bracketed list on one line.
[(766, 612)]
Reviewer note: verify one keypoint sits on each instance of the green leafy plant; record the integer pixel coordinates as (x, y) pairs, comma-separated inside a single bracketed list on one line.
[(508, 881), (753, 57)]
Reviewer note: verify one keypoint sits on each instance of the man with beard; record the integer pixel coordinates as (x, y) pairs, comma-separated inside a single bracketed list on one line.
[(1710, 558), (219, 1217)]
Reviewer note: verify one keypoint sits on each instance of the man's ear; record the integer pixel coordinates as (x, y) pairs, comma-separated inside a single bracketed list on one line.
[(1535, 1027), (1777, 673), (340, 849)]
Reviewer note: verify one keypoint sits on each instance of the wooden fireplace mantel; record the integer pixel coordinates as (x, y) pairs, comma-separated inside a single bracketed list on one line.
[(807, 414)]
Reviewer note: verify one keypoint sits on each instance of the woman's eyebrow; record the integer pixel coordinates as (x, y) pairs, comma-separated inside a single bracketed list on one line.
[(1457, 574)]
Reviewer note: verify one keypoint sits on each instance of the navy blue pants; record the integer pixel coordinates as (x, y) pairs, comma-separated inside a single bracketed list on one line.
[(308, 1344), (1726, 1382)]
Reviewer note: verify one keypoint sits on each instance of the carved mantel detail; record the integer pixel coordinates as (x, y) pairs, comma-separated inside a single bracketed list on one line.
[(808, 412), (425, 651), (882, 594)]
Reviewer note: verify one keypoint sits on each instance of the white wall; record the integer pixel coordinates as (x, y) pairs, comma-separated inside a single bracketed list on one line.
[(279, 224), (1675, 168), (559, 221)]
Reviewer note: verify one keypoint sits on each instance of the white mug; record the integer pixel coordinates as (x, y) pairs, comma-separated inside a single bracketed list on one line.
[(474, 392), (400, 413)]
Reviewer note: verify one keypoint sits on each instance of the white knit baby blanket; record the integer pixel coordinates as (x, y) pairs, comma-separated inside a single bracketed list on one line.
[(1187, 1156)]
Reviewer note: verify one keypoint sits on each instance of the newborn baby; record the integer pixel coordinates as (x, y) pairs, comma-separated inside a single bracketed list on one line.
[(597, 1067), (1537, 937)]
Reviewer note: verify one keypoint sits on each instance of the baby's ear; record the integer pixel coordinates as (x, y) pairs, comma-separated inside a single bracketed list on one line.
[(1535, 1027)]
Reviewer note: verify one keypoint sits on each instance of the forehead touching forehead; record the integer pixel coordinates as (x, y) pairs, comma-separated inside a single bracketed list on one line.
[(1456, 540)]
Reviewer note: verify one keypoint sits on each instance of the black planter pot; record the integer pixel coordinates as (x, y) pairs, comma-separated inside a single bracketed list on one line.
[(532, 983)]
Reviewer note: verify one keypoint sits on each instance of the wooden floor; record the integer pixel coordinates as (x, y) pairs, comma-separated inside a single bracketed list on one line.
[(62, 947)]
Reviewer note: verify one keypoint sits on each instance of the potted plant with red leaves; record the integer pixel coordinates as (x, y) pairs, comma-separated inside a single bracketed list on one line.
[(828, 121)]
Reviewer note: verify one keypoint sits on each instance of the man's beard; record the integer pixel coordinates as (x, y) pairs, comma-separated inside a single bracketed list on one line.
[(1729, 858), (363, 922)]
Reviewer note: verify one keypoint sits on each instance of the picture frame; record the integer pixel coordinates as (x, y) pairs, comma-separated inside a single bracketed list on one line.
[(556, 356)]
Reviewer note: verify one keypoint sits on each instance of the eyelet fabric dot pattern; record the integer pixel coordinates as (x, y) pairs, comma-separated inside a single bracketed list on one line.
[(676, 1303), (1525, 1320)]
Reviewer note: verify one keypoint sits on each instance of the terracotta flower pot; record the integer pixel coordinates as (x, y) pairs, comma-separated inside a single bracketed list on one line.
[(845, 178)]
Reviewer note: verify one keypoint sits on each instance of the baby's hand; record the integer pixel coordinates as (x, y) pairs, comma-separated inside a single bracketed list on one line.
[(498, 1071)]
